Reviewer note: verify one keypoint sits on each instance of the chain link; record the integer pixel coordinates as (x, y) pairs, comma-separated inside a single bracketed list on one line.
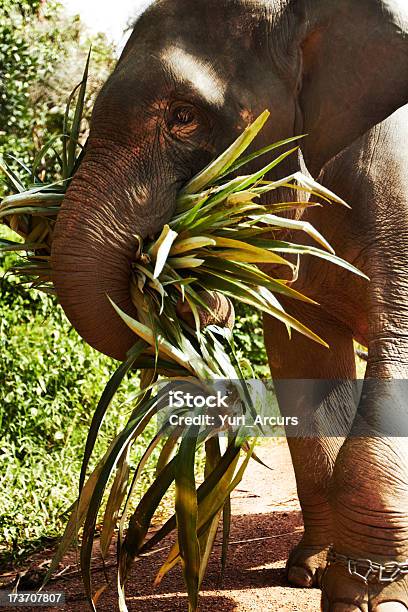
[(368, 570)]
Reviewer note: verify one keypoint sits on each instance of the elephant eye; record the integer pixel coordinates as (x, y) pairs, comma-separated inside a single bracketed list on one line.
[(184, 116), (183, 120)]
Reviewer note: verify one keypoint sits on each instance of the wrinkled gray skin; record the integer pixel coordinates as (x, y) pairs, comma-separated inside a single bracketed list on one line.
[(192, 76)]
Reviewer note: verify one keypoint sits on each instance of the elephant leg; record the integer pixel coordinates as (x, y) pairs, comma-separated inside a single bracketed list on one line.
[(369, 489), (307, 559), (302, 369)]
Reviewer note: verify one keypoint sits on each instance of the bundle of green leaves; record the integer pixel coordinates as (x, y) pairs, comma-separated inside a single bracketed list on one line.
[(219, 234)]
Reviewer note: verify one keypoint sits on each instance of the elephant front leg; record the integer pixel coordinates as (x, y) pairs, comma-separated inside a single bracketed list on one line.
[(368, 567), (313, 460), (307, 379)]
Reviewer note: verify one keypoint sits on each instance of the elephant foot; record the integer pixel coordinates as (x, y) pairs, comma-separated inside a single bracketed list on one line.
[(344, 592), (367, 569), (305, 565)]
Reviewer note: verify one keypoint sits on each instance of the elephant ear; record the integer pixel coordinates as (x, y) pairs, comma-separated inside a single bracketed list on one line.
[(354, 71)]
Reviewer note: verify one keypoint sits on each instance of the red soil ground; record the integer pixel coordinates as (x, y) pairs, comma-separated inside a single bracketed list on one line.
[(266, 525)]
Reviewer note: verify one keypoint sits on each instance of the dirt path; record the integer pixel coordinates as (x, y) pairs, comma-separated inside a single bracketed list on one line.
[(266, 524)]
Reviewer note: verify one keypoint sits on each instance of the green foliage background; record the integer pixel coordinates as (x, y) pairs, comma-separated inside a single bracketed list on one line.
[(50, 380), (42, 56), (50, 383)]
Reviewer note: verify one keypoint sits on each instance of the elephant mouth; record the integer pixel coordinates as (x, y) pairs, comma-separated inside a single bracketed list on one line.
[(219, 309)]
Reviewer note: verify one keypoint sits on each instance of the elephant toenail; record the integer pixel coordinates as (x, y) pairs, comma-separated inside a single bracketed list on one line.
[(299, 576)]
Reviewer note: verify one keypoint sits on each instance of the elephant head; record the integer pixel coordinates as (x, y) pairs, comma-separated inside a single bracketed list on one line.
[(192, 76)]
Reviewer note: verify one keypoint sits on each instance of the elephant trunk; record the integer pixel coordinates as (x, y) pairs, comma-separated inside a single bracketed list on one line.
[(94, 243)]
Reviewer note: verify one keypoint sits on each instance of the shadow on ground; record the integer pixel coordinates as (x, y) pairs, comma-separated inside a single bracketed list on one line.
[(257, 555), (266, 524)]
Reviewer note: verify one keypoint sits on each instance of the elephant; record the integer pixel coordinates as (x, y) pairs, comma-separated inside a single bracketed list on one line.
[(191, 77)]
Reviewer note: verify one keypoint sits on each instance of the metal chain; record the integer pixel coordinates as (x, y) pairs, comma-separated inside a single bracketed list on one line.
[(366, 570)]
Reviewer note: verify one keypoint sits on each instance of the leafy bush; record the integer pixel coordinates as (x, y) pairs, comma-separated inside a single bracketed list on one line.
[(44, 408), (249, 341), (42, 54), (50, 383)]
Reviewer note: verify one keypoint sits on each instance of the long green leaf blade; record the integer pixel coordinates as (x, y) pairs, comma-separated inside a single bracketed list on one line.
[(225, 161)]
